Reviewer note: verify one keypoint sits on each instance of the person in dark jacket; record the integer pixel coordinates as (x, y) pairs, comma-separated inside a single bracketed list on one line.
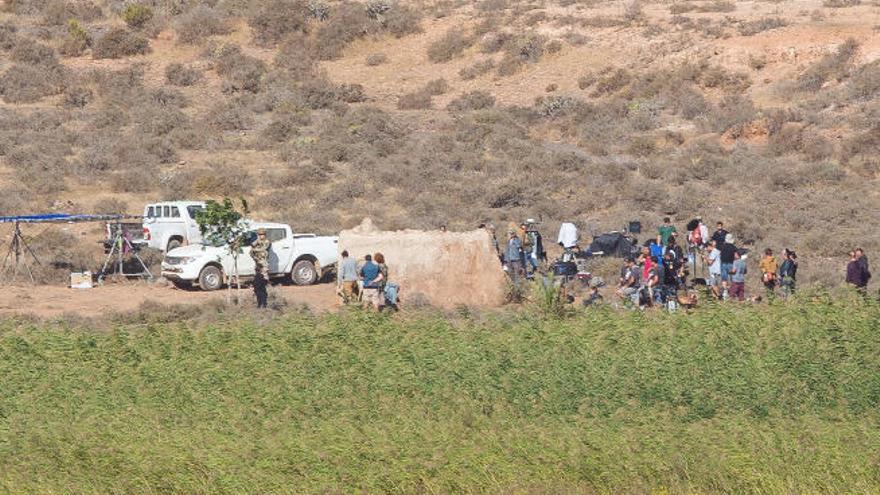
[(720, 235), (788, 272), (856, 272)]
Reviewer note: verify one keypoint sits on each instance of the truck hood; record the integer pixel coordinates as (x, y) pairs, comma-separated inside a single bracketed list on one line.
[(195, 251)]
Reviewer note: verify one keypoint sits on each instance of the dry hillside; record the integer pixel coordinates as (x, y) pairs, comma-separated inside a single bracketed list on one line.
[(764, 114)]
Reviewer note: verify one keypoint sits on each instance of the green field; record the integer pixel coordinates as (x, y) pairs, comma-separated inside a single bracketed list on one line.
[(769, 399)]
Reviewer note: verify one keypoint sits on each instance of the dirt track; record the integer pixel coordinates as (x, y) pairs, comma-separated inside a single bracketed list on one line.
[(51, 301)]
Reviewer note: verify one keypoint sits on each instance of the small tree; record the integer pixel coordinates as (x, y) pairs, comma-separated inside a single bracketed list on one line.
[(221, 224)]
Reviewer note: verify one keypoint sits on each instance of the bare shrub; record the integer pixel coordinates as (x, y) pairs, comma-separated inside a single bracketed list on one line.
[(59, 12), (400, 20), (718, 77), (119, 43), (714, 6), (831, 66), (476, 70), (26, 83), (451, 45), (8, 35), (77, 96), (347, 22), (733, 110), (351, 93), (838, 4), (181, 75), (612, 82), (199, 23), (474, 100), (295, 57), (167, 97), (417, 100), (40, 168), (586, 80), (865, 82), (494, 42), (29, 51), (436, 87), (275, 19), (523, 49), (230, 116), (216, 178), (375, 59), (240, 72), (751, 28)]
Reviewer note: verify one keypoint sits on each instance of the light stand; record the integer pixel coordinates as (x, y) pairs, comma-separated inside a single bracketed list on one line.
[(120, 245), (18, 251)]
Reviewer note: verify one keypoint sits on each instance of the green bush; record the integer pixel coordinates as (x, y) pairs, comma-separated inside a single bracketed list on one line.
[(136, 15), (774, 398)]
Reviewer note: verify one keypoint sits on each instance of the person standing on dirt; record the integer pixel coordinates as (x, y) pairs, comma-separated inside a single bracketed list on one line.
[(513, 257), (348, 277), (713, 261), (738, 277), (856, 273), (788, 272), (261, 291), (728, 256), (528, 261), (666, 231), (369, 274), (260, 253), (769, 268), (863, 263)]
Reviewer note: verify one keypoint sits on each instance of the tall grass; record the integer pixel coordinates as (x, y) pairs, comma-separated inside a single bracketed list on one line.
[(773, 399)]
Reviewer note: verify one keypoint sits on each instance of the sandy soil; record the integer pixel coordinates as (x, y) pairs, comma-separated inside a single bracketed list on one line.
[(47, 301)]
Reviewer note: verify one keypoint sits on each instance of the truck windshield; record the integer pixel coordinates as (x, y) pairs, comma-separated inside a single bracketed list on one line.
[(194, 210)]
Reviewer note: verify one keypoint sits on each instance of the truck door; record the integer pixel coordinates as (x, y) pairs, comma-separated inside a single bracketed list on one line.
[(193, 235), (280, 256)]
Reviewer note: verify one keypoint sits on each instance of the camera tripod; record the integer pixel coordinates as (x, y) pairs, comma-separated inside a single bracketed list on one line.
[(120, 247), (19, 251)]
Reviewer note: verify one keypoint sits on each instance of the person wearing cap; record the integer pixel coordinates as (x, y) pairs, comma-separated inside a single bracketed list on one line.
[(260, 253), (728, 256)]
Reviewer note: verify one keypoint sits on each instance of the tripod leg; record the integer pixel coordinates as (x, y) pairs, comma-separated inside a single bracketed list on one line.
[(107, 262), (141, 261)]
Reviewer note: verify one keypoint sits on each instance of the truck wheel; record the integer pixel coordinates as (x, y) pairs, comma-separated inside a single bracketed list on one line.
[(304, 273), (173, 244), (211, 278)]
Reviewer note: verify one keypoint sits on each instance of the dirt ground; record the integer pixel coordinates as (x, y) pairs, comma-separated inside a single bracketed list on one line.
[(47, 301)]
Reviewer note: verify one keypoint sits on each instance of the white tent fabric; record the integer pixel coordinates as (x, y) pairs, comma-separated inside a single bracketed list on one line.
[(568, 235)]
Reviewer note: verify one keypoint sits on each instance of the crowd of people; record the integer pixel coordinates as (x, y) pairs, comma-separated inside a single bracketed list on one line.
[(367, 283), (665, 270)]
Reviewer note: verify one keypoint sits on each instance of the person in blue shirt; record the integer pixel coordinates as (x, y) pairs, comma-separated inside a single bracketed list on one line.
[(657, 249), (369, 272)]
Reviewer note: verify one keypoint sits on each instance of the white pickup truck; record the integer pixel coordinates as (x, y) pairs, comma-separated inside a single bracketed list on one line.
[(300, 257), (171, 224)]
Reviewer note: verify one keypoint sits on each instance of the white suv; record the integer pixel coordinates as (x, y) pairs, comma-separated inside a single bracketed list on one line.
[(172, 224), (302, 258)]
